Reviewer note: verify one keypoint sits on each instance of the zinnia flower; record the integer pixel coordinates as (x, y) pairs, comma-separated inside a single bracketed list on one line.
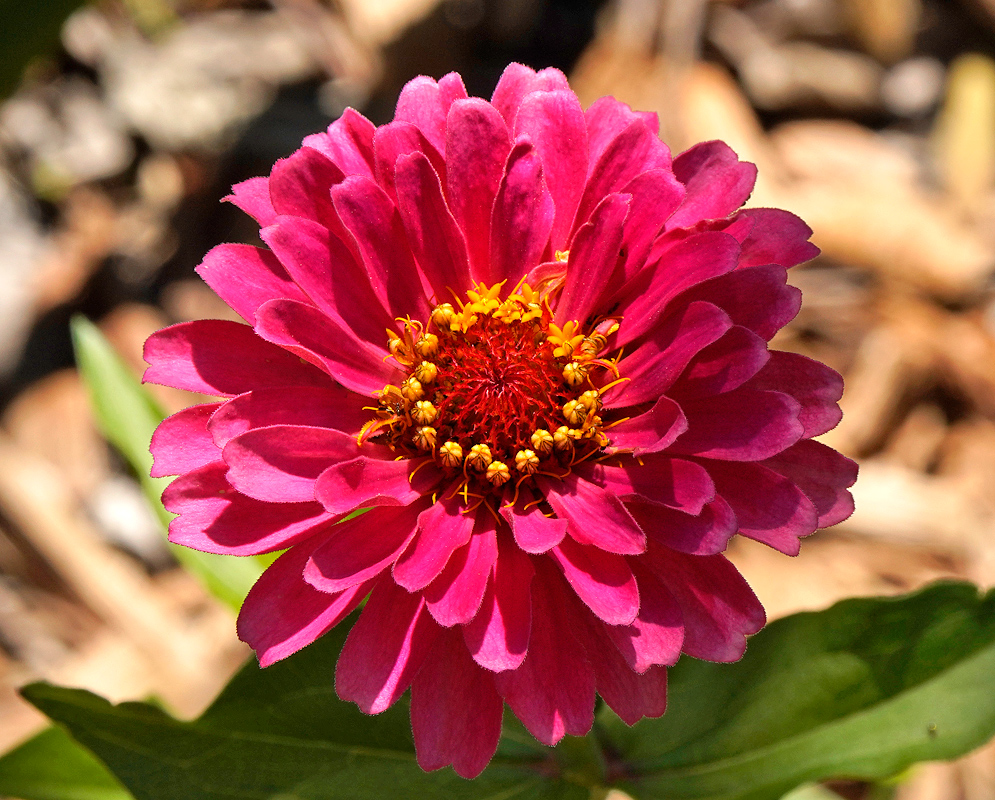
[(535, 347)]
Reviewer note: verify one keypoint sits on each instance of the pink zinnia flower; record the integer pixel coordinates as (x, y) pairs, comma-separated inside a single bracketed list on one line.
[(536, 347)]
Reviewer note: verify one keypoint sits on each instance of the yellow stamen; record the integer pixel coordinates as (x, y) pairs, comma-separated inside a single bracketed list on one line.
[(412, 389), (562, 439), (574, 373), (442, 316), (574, 412), (498, 473), (479, 457), (542, 442), (427, 345), (424, 412), (424, 437), (526, 461), (426, 372), (451, 454)]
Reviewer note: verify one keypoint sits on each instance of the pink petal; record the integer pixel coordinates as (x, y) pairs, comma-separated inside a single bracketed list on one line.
[(607, 118), (331, 407), (477, 147), (378, 481), (814, 385), (222, 358), (744, 425), (282, 614), (604, 581), (517, 81), (656, 364), (534, 532), (397, 139), (717, 183), (724, 365), (522, 217), (379, 235), (498, 636), (442, 529), (455, 710), (245, 277), (299, 185), (823, 474), (655, 194), (385, 648), (651, 431), (704, 534), (436, 239), (554, 122), (718, 606), (656, 479), (456, 595), (552, 692), (768, 506), (348, 143), (358, 549), (252, 196), (593, 260), (594, 516), (182, 443), (425, 104), (280, 464), (216, 518), (775, 237), (656, 634), (321, 340)]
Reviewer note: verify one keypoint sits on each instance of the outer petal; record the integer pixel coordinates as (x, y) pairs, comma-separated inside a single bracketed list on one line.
[(717, 183), (252, 196), (594, 516), (397, 139), (282, 614), (442, 530), (385, 648), (657, 633), (704, 534), (534, 532), (815, 386), (425, 104), (348, 143), (774, 237), (651, 431), (604, 581), (518, 81), (657, 479), (299, 185), (455, 596), (823, 474), (378, 481), (655, 194), (182, 443), (222, 358), (455, 710), (724, 365)]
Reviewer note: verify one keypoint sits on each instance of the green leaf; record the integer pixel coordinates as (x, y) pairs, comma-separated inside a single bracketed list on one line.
[(52, 766), (861, 690), (127, 415), (281, 733)]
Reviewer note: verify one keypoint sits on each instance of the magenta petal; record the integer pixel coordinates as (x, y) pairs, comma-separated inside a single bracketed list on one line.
[(222, 358), (655, 636), (442, 530), (823, 474), (717, 183), (215, 518), (323, 341), (325, 268), (654, 366), (769, 507), (425, 104), (744, 425), (775, 237), (703, 534), (498, 636), (455, 710), (378, 232), (607, 118), (651, 431), (280, 464), (593, 260), (724, 365), (594, 516), (299, 185), (245, 277), (348, 143), (554, 122), (656, 479), (182, 443), (534, 532), (655, 194), (331, 407), (455, 596), (814, 385), (385, 648), (398, 139), (282, 614), (522, 217), (436, 239), (552, 692), (379, 481), (604, 581), (718, 606), (517, 81), (252, 196), (477, 147), (360, 548)]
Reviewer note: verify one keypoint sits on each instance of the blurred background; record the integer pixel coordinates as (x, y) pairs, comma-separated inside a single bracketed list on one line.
[(123, 123)]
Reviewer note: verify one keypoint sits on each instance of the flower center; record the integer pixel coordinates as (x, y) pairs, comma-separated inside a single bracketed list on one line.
[(495, 389)]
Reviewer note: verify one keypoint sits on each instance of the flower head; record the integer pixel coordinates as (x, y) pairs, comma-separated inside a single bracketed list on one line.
[(535, 346)]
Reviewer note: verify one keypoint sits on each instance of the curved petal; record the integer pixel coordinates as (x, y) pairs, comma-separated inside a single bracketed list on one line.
[(703, 534), (724, 365), (442, 529), (379, 481), (182, 442), (657, 479), (252, 197), (651, 431), (517, 82), (454, 598), (425, 104), (823, 474), (348, 143), (814, 385), (655, 194), (594, 516), (655, 636), (717, 183), (604, 581), (534, 532), (299, 185), (774, 236), (397, 139)]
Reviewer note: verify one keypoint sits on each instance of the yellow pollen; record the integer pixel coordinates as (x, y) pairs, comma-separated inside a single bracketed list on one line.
[(591, 400), (443, 315), (542, 442), (451, 454), (574, 412), (424, 437), (562, 438), (412, 389), (562, 256), (592, 345), (566, 339), (427, 345), (574, 374), (479, 457), (426, 372), (424, 412), (526, 462), (498, 473)]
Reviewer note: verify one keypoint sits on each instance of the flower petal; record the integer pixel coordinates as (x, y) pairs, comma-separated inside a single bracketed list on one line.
[(823, 474), (724, 365), (282, 614), (397, 139), (442, 529), (717, 183), (657, 479), (656, 634), (774, 237), (814, 385), (703, 534), (299, 185), (252, 196), (385, 648), (182, 443), (594, 516), (517, 82), (604, 581), (348, 143), (455, 596), (651, 431), (425, 104), (534, 532), (365, 481), (655, 194), (222, 358)]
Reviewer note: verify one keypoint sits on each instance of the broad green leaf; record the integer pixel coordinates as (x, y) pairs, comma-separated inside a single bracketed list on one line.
[(861, 690), (127, 415), (281, 733), (52, 766)]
